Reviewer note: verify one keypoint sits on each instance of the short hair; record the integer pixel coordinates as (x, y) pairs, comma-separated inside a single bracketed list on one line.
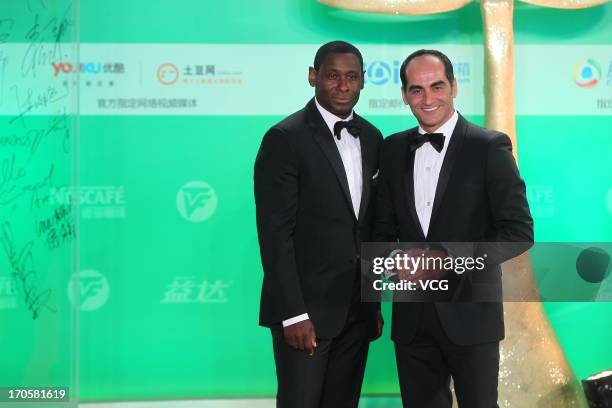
[(336, 47), (448, 66)]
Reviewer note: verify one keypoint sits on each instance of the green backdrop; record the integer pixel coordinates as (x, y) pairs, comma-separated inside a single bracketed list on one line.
[(169, 270)]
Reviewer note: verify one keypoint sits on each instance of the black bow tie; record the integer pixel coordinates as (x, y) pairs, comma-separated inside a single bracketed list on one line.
[(352, 126), (436, 140)]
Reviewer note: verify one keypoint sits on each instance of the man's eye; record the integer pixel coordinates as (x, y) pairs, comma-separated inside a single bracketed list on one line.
[(332, 76)]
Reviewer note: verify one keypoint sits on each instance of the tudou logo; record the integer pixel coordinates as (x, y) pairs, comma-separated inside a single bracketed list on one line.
[(83, 68), (92, 289), (196, 201), (586, 73), (167, 73)]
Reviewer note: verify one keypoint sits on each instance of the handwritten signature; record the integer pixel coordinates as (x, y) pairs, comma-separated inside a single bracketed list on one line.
[(6, 26), (22, 269), (58, 228), (58, 123), (38, 54), (11, 191), (33, 101)]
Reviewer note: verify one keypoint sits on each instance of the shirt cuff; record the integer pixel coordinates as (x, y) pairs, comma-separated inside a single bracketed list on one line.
[(295, 320)]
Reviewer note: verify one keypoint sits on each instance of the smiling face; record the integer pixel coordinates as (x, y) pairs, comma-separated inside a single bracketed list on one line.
[(337, 83), (428, 92)]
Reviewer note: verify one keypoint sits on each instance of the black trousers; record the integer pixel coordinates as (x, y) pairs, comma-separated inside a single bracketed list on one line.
[(426, 365), (332, 378)]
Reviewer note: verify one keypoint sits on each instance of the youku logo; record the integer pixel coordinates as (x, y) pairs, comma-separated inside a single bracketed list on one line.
[(196, 201), (586, 73), (87, 68)]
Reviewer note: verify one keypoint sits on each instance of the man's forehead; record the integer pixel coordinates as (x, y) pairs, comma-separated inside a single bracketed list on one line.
[(426, 70), (335, 59), (425, 62)]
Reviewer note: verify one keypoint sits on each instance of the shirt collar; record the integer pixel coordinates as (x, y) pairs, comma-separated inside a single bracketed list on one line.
[(447, 128), (329, 118)]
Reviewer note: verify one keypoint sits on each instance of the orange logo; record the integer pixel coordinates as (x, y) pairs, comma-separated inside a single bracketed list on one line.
[(167, 73)]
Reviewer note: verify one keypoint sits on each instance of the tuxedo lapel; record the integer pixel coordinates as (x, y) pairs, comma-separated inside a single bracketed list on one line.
[(367, 169), (409, 184), (452, 152), (325, 140)]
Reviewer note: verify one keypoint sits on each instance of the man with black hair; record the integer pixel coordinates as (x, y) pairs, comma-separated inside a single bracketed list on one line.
[(315, 174), (448, 180)]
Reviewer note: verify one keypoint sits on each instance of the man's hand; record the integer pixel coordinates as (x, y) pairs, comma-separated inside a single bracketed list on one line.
[(422, 272), (408, 274), (301, 336), (436, 271)]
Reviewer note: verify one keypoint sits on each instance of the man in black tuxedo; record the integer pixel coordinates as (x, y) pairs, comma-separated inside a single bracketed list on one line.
[(448, 180), (314, 178)]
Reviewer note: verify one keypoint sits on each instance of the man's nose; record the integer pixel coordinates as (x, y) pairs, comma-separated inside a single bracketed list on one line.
[(427, 97), (343, 84)]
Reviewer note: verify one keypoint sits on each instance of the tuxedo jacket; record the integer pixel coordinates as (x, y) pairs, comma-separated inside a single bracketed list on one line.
[(480, 197), (309, 236)]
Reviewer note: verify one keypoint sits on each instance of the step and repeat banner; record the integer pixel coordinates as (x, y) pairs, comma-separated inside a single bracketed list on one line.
[(270, 80), (170, 103)]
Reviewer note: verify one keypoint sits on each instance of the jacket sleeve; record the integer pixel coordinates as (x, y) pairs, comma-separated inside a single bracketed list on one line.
[(512, 222), (276, 181)]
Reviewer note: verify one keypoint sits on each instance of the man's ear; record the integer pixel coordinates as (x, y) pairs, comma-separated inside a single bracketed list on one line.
[(363, 78), (454, 88), (312, 76), (403, 95)]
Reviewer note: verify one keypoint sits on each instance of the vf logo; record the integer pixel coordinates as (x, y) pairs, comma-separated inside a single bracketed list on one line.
[(91, 288), (196, 201)]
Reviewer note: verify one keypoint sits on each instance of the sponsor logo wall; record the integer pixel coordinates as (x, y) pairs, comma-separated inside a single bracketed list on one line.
[(166, 79)]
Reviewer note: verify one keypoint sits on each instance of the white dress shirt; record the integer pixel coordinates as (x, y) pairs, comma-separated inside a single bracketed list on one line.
[(427, 165), (349, 148)]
